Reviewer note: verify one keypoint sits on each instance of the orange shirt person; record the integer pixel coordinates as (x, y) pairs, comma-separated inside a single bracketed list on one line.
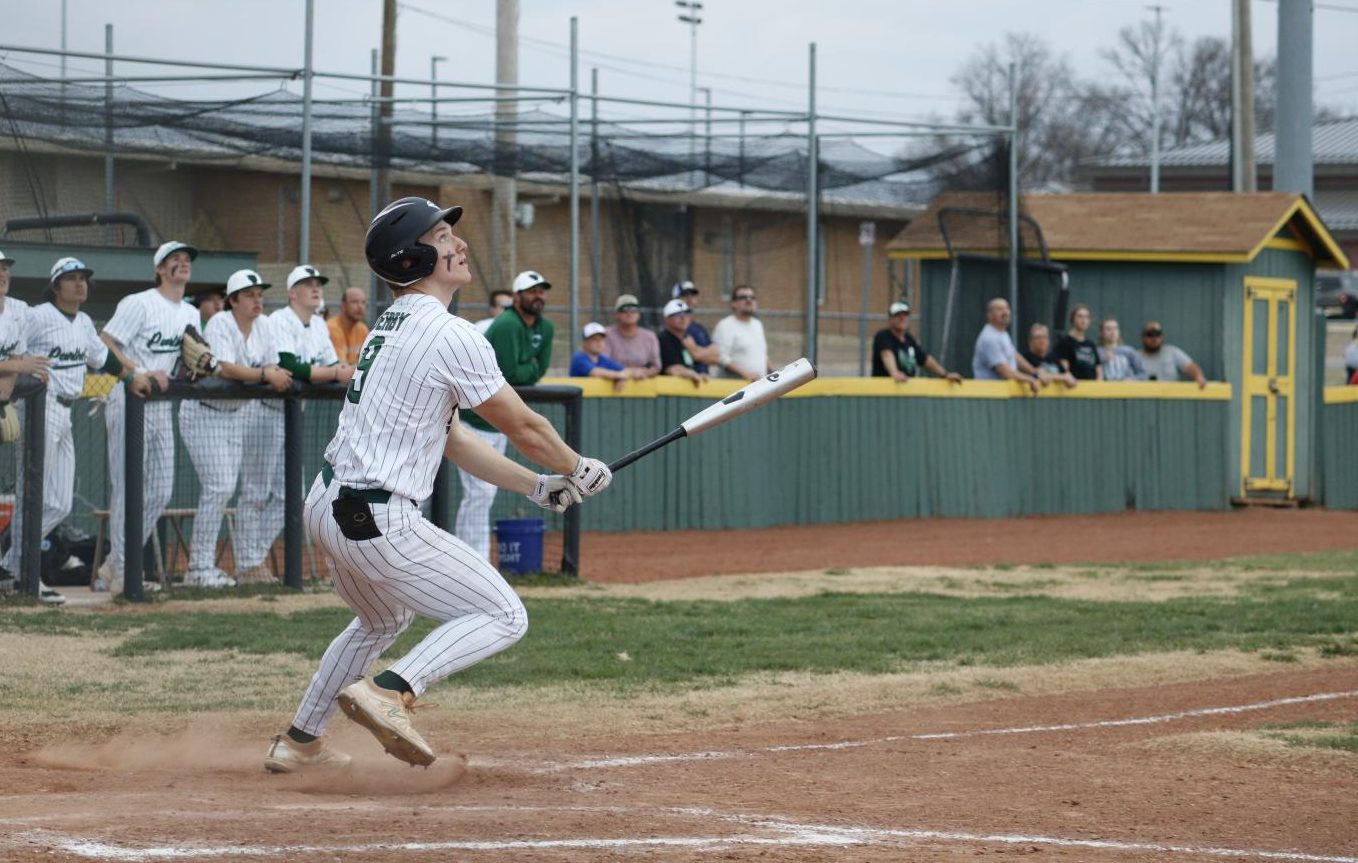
[(348, 328)]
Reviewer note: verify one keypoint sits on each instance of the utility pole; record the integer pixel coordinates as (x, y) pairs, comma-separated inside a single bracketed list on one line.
[(504, 186), (434, 102), (1293, 168), (692, 19), (707, 137), (1155, 99), (304, 228), (1243, 177), (110, 194), (384, 111)]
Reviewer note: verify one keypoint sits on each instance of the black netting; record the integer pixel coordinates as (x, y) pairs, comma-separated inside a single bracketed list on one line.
[(269, 124)]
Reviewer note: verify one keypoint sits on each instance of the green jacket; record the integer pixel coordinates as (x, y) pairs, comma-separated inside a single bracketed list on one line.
[(523, 353)]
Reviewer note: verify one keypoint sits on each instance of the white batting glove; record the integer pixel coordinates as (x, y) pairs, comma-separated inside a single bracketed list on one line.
[(591, 476), (556, 492)]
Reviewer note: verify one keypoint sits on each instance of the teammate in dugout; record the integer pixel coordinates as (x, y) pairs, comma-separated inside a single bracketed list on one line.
[(419, 367), (19, 356), (522, 340), (305, 351), (146, 333), (214, 430)]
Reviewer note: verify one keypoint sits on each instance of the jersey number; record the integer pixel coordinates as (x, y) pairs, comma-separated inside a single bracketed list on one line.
[(365, 360)]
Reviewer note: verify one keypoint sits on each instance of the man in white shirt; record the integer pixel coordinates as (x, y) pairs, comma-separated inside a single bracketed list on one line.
[(740, 337), (148, 329)]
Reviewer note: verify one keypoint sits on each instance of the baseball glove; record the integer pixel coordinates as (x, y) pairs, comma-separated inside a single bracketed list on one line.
[(10, 432), (196, 355)]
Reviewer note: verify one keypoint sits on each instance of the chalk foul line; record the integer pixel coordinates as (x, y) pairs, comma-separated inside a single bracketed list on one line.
[(1157, 719)]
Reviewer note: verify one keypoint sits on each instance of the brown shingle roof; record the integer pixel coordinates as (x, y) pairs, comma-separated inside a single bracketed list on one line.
[(1206, 226)]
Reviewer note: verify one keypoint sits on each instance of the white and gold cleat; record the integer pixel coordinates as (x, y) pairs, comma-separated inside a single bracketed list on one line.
[(387, 715), (286, 755)]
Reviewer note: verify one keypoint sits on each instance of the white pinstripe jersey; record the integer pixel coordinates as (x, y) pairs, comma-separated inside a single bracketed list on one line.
[(150, 328), (70, 344), (417, 365), (13, 329), (230, 345), (309, 342)]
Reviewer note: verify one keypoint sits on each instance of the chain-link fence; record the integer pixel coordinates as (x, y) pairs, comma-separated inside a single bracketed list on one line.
[(225, 501)]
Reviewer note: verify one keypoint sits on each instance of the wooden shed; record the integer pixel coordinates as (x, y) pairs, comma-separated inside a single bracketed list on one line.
[(1229, 276)]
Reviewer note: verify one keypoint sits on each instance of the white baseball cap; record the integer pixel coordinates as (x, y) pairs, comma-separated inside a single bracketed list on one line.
[(242, 279), (898, 307), (5, 259), (684, 287), (69, 265), (593, 329), (304, 271), (169, 248), (676, 307), (530, 279)]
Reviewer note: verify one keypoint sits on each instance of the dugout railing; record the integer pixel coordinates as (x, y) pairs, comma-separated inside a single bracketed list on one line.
[(303, 448), (31, 393)]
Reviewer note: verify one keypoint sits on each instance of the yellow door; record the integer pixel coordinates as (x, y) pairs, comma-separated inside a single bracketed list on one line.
[(1267, 452)]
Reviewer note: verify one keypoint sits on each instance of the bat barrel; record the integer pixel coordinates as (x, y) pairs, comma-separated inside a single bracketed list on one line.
[(751, 396)]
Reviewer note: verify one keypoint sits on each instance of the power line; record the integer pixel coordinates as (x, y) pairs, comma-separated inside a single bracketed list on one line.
[(563, 51)]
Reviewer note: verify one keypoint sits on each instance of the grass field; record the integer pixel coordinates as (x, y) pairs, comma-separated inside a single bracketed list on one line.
[(952, 633)]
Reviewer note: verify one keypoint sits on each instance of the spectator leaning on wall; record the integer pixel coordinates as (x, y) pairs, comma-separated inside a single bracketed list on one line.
[(349, 328), (675, 358), (631, 346), (994, 358), (697, 340), (591, 361), (740, 337), (1077, 354), (1120, 362), (896, 354), (1166, 362)]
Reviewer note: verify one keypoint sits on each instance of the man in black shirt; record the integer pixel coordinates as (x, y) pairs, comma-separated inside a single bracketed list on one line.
[(1039, 355), (896, 354), (675, 358)]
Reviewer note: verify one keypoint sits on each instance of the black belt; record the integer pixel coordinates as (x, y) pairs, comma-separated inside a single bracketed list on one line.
[(367, 495), (65, 402), (210, 406)]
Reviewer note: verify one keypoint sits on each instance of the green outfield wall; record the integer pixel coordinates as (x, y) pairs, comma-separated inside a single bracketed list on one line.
[(852, 449), (1339, 435)]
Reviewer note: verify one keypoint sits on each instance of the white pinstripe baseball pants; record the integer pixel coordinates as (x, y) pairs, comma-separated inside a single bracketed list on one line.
[(157, 476), (213, 438), (473, 513), (259, 508), (58, 480), (412, 568)]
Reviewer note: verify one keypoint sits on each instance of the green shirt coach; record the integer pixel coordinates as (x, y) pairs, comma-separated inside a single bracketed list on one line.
[(522, 337)]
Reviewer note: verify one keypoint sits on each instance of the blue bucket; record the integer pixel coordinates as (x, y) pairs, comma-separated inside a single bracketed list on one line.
[(519, 542)]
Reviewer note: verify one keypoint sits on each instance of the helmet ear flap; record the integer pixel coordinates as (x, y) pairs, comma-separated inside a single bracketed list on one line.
[(412, 263)]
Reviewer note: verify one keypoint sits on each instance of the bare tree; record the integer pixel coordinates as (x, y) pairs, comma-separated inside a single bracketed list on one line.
[(1052, 139)]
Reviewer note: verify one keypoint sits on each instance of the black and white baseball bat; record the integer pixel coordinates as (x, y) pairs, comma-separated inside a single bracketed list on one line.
[(744, 400)]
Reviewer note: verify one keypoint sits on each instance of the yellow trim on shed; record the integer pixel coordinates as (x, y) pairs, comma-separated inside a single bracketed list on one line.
[(1341, 395)]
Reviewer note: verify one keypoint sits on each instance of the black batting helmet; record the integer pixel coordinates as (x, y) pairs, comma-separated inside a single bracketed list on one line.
[(393, 246)]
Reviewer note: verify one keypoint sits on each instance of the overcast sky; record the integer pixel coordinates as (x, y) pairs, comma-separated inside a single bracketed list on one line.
[(888, 57)]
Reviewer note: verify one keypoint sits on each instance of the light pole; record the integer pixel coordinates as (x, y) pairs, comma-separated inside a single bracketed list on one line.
[(434, 101), (1155, 101), (692, 19)]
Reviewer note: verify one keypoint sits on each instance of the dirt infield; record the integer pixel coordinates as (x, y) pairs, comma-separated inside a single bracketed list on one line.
[(1117, 537), (1094, 762), (1087, 777)]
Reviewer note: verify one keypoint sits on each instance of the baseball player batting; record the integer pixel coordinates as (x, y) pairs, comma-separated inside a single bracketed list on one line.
[(148, 328), (418, 367)]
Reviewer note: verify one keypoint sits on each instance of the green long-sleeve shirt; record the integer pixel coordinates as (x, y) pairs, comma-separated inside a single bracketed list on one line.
[(523, 353)]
